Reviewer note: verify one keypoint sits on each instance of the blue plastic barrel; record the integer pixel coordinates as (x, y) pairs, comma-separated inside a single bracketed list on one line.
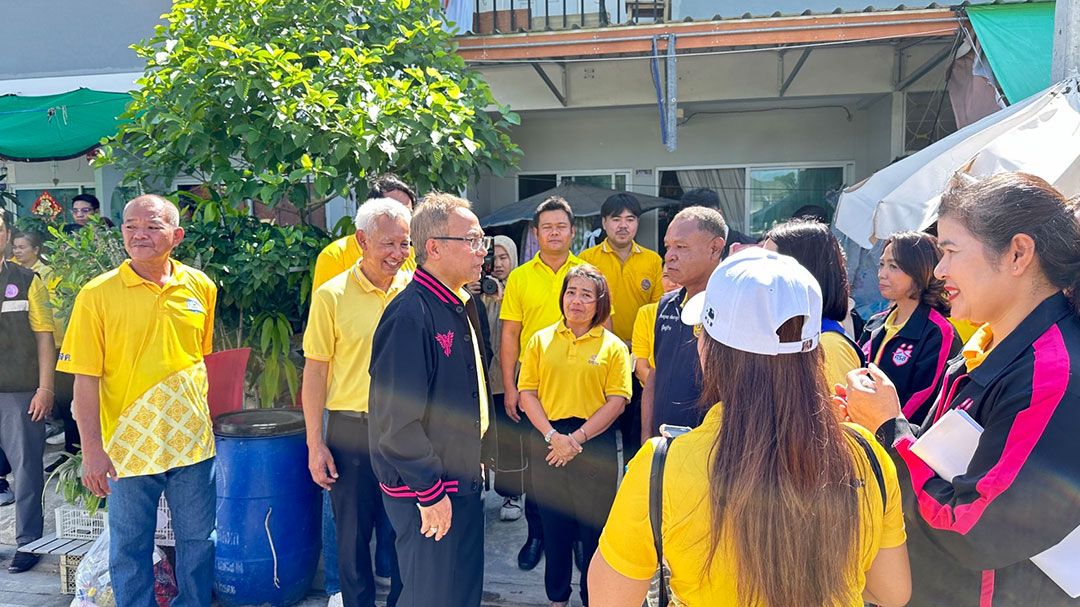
[(268, 509)]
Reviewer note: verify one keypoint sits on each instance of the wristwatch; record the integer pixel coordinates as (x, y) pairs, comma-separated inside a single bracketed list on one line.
[(547, 437)]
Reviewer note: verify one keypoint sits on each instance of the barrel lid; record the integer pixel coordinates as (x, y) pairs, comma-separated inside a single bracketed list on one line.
[(259, 423)]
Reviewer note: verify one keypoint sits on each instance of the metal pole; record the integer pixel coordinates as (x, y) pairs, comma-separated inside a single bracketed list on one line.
[(672, 93), (1066, 58)]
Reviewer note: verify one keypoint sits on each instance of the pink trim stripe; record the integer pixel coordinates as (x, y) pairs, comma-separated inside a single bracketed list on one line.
[(947, 332), (404, 491), (436, 287), (1050, 378), (986, 593)]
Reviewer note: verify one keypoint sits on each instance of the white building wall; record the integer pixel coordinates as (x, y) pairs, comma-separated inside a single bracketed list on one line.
[(629, 138)]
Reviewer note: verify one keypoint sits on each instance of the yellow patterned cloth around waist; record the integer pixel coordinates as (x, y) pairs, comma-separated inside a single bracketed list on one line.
[(167, 427)]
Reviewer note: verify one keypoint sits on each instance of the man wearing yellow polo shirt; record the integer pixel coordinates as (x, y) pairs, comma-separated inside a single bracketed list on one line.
[(530, 303), (634, 274), (342, 254), (26, 391), (345, 311), (135, 344)]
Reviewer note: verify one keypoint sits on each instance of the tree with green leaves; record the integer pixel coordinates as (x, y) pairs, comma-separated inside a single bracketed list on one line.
[(303, 100)]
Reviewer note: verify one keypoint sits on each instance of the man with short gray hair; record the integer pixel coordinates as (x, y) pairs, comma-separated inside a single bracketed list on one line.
[(337, 345), (430, 410), (695, 244)]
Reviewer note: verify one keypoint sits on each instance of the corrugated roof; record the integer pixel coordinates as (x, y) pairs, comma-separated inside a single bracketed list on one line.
[(707, 10)]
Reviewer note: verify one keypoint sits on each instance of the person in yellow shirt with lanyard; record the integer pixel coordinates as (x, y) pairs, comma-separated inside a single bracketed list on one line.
[(342, 254), (575, 381), (26, 392), (634, 275), (771, 500), (530, 303), (135, 344), (337, 347)]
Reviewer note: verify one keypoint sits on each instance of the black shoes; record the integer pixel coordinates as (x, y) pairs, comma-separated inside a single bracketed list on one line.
[(23, 561), (530, 553)]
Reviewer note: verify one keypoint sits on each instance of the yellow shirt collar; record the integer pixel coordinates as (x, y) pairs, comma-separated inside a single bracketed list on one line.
[(400, 281), (571, 260), (596, 331), (634, 247), (978, 347), (132, 279)]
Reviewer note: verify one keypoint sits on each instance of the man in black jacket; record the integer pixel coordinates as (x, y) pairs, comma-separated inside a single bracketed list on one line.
[(430, 411)]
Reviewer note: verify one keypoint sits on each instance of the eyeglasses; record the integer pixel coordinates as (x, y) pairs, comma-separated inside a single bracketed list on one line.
[(82, 211), (476, 243)]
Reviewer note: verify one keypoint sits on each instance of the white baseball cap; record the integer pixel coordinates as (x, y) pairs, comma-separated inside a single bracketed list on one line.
[(750, 296)]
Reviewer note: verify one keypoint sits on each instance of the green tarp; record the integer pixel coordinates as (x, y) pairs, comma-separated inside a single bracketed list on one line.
[(1018, 39), (57, 127)]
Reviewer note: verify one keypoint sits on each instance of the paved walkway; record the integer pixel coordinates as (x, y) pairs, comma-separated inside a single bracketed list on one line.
[(504, 583)]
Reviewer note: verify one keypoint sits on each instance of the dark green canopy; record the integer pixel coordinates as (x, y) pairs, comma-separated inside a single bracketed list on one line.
[(57, 127)]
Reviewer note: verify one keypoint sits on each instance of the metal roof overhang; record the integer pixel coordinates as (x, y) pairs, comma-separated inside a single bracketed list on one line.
[(846, 28)]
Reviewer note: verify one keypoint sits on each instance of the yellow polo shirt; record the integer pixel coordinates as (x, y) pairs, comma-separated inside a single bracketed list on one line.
[(485, 419), (626, 542), (574, 376), (532, 296), (641, 346), (342, 254), (891, 329), (146, 344), (341, 324), (632, 283), (840, 358)]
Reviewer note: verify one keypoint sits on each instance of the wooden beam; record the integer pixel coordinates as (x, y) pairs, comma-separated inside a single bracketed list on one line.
[(734, 33)]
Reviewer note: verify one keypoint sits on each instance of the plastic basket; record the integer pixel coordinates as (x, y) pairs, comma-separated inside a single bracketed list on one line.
[(68, 565), (75, 523)]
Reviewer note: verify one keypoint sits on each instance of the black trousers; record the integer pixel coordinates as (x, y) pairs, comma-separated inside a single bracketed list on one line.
[(62, 410), (514, 476), (629, 423), (357, 503), (447, 573), (574, 504)]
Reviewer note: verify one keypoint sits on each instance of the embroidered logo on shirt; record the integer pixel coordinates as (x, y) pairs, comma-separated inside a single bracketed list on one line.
[(446, 340), (646, 284), (593, 361), (194, 305), (902, 355), (11, 291)]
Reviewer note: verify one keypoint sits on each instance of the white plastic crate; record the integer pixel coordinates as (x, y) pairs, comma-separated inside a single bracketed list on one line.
[(75, 523)]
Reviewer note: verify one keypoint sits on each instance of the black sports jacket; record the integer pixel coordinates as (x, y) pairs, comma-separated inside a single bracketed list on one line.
[(971, 537)]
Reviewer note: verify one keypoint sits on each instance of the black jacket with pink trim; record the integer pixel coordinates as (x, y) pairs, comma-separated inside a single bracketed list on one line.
[(971, 537), (423, 403), (916, 358)]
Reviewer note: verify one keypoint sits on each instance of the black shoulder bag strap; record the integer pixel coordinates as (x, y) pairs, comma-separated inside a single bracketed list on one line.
[(656, 508), (875, 465)]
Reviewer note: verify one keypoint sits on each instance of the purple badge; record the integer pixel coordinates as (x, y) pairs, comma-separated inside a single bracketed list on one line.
[(11, 291)]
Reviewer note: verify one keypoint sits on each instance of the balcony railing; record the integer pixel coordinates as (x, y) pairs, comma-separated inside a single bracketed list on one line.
[(508, 16)]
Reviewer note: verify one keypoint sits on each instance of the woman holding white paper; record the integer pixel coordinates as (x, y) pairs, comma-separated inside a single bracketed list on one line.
[(1011, 263)]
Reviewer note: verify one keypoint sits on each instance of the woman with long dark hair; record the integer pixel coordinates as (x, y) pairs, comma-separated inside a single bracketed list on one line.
[(574, 383), (913, 340), (813, 245), (1011, 263), (771, 501)]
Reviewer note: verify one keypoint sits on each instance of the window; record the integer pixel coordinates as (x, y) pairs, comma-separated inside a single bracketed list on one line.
[(775, 194), (928, 117), (531, 184)]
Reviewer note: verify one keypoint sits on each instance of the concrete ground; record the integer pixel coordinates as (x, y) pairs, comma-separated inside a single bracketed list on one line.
[(504, 583)]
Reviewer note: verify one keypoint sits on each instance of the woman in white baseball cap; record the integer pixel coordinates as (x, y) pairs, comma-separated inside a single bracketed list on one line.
[(772, 501)]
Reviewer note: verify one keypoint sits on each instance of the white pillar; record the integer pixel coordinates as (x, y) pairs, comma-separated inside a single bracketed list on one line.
[(1066, 40)]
